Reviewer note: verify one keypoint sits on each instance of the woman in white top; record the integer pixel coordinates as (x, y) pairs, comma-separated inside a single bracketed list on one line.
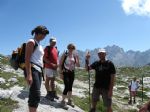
[(34, 65), (68, 62)]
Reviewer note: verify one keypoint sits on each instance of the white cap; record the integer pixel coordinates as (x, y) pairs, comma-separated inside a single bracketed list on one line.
[(101, 51), (53, 39)]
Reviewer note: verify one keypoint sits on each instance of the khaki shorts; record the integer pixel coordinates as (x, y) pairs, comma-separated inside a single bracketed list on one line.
[(50, 72), (96, 96)]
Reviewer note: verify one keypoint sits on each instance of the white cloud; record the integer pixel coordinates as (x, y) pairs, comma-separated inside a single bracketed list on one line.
[(138, 7)]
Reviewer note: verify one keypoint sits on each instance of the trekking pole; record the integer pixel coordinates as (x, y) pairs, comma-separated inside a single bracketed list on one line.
[(87, 64), (142, 88)]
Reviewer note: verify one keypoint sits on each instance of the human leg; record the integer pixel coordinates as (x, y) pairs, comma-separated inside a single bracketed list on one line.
[(53, 89), (65, 91), (107, 100), (95, 99), (47, 86), (134, 97), (130, 97), (34, 91), (47, 81), (70, 85)]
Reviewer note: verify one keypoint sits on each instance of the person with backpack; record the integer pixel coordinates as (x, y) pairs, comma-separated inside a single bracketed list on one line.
[(133, 87), (67, 65), (50, 69), (104, 80), (34, 65)]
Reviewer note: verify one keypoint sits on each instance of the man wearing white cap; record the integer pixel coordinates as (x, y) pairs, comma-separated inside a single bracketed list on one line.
[(50, 68), (104, 80)]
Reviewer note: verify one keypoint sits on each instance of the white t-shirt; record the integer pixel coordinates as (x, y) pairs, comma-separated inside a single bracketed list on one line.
[(134, 85), (37, 55)]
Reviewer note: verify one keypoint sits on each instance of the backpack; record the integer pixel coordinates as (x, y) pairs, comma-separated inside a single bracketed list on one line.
[(65, 57), (17, 59)]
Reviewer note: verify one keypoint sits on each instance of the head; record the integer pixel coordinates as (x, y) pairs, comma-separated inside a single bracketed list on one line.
[(102, 54), (71, 47), (40, 32), (52, 41), (134, 78)]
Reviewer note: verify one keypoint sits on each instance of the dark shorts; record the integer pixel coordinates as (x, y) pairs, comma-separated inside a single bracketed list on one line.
[(104, 93), (34, 92)]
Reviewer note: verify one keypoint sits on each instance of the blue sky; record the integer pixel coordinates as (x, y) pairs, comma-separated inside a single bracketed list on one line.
[(88, 24)]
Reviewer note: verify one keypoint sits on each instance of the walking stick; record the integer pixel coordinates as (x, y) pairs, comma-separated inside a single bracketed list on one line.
[(87, 64), (142, 88)]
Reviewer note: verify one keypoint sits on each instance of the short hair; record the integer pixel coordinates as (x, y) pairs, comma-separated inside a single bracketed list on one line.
[(71, 46), (40, 30)]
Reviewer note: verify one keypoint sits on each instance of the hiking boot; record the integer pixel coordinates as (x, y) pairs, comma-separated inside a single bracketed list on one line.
[(49, 96), (70, 102), (92, 110), (63, 105), (55, 95), (130, 102)]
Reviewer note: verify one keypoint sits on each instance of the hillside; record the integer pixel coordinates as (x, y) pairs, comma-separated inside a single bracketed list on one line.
[(14, 92)]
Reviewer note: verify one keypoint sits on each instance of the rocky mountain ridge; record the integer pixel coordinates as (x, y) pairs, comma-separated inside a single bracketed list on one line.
[(120, 57)]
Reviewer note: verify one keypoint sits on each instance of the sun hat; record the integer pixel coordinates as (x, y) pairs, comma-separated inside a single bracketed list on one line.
[(53, 39), (101, 50)]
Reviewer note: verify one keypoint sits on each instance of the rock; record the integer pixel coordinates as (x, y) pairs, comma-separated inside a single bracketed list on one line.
[(2, 80), (14, 80), (5, 93)]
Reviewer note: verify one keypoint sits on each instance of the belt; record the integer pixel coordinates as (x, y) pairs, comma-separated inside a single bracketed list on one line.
[(38, 68), (66, 70)]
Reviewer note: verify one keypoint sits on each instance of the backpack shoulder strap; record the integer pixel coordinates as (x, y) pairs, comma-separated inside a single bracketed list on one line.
[(35, 45), (48, 50), (64, 58)]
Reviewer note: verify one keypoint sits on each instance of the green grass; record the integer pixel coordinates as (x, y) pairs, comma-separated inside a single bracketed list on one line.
[(7, 75), (7, 105)]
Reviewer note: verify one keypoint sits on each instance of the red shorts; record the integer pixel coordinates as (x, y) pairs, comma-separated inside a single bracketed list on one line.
[(133, 93)]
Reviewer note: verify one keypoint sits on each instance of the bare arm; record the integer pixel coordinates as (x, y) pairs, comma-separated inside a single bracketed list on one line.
[(77, 61), (111, 84), (29, 51), (61, 62)]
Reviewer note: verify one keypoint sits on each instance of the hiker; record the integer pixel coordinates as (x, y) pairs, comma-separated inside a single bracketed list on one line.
[(34, 65), (68, 62), (145, 107), (50, 68), (133, 87), (104, 80)]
